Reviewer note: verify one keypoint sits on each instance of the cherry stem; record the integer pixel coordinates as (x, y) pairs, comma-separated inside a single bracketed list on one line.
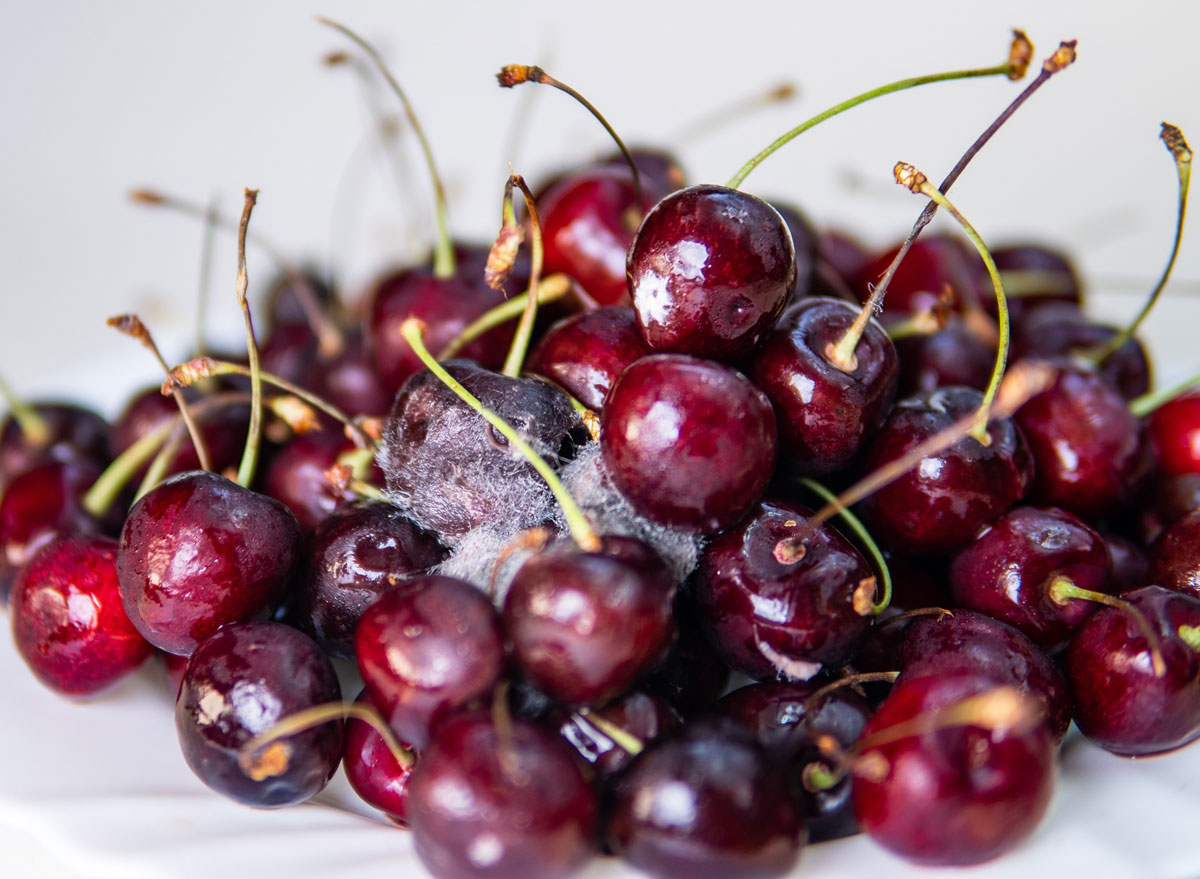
[(158, 468), (744, 106), (514, 74), (204, 367), (1063, 589), (577, 523), (1011, 68), (443, 250), (245, 473), (1063, 57), (524, 332), (1148, 402), (818, 776), (330, 340), (914, 180), (856, 525), (1190, 635), (939, 612), (551, 289), (1182, 155), (870, 677), (253, 763), (131, 325), (1024, 381), (625, 740), (35, 428)]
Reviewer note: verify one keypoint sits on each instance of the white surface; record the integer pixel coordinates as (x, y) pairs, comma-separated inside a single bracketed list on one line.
[(205, 99)]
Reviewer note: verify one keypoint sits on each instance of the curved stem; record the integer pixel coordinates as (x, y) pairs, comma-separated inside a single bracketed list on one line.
[(245, 474), (35, 428), (551, 289), (625, 740), (1063, 589), (581, 530), (870, 677), (1148, 402), (855, 524), (116, 475), (520, 343), (443, 250), (254, 763)]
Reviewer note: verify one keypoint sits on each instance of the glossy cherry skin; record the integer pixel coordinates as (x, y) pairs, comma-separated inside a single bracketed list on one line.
[(452, 470), (710, 270), (705, 802), (941, 503), (296, 477), (1090, 452), (824, 413), (1120, 704), (955, 795), (486, 801), (1060, 330), (373, 770), (426, 647), (970, 641), (644, 716), (1008, 570), (198, 552), (68, 622), (773, 619), (355, 554), (75, 431), (585, 353), (688, 442), (584, 626), (951, 356), (1175, 556), (238, 683), (1175, 428)]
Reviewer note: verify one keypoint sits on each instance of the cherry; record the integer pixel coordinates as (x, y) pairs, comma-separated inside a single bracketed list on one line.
[(357, 552), (500, 799), (706, 801), (372, 768), (688, 442), (296, 477), (932, 263), (454, 473), (1120, 703), (349, 380), (426, 647), (692, 675), (950, 495), (1026, 568), (969, 641), (1175, 428), (637, 713), (824, 413), (951, 356), (942, 790), (710, 270), (1175, 556), (223, 430), (238, 683), (806, 243), (1090, 452), (199, 551), (1171, 498), (584, 626), (585, 353), (67, 618), (71, 430), (1130, 567), (1040, 275), (775, 609)]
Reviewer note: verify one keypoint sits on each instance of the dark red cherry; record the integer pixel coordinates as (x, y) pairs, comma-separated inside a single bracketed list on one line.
[(349, 380), (372, 768), (426, 647), (356, 553), (688, 442), (1060, 330), (585, 353), (1037, 275), (1175, 428), (1171, 498), (658, 169), (842, 262), (1090, 452), (584, 626), (588, 222), (706, 802), (941, 503), (198, 552), (241, 681), (223, 430), (1008, 572), (710, 270), (74, 431), (824, 413), (453, 471), (1120, 704), (68, 622), (779, 611), (951, 356), (693, 675), (637, 713), (969, 641), (806, 244), (1130, 567), (933, 263), (949, 793), (1175, 556), (295, 475), (491, 800), (283, 306)]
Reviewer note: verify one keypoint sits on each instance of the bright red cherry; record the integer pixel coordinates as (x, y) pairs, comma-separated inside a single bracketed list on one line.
[(1175, 428)]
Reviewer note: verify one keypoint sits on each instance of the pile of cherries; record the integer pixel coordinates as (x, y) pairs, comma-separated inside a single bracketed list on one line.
[(547, 652)]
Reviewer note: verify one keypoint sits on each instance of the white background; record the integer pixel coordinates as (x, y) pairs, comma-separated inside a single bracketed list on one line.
[(204, 99)]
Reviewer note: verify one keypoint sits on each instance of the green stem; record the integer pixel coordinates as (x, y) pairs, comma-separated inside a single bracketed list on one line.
[(581, 530), (900, 85), (250, 757), (624, 739), (1190, 636), (520, 343), (551, 289), (1062, 589), (35, 428), (1148, 402), (158, 468), (116, 475), (856, 525), (443, 251)]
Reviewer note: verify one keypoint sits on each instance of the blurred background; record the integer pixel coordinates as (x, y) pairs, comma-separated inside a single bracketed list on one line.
[(201, 100)]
